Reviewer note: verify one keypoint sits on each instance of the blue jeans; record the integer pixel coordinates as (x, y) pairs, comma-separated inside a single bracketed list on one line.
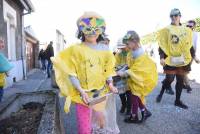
[(1, 93), (49, 68), (43, 64)]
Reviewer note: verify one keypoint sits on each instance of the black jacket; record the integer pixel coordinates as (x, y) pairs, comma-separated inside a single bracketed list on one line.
[(42, 55), (49, 52)]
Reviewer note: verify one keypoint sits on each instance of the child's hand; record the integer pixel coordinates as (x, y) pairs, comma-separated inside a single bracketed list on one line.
[(197, 60), (162, 62), (84, 96), (120, 73), (113, 88)]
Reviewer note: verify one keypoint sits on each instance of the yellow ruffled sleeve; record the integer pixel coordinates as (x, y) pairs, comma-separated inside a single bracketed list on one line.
[(64, 66)]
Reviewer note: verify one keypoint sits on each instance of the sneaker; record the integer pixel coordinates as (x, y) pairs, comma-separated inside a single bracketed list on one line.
[(169, 91), (145, 114), (180, 104), (122, 110), (158, 98), (132, 119)]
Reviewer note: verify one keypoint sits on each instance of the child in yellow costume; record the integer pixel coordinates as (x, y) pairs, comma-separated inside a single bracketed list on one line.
[(142, 75), (121, 83), (84, 71)]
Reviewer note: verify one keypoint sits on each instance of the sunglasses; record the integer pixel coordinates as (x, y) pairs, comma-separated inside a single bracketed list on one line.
[(175, 15)]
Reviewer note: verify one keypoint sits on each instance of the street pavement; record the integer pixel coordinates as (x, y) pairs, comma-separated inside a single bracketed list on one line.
[(165, 119)]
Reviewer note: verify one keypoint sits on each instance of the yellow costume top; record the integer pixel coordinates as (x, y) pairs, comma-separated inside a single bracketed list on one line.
[(176, 41), (121, 59), (2, 79), (143, 75), (91, 67)]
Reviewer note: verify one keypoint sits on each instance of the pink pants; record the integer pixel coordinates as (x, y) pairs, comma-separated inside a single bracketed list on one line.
[(83, 114)]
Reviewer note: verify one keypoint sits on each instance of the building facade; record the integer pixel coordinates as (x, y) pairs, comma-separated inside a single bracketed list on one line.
[(32, 49), (12, 32)]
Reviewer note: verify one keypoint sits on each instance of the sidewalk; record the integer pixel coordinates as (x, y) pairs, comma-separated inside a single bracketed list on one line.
[(33, 82)]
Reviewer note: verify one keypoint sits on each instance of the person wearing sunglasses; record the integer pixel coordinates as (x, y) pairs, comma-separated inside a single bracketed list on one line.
[(84, 71), (176, 52)]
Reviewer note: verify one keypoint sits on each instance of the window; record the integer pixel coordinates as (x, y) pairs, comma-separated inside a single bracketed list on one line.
[(11, 39), (10, 18)]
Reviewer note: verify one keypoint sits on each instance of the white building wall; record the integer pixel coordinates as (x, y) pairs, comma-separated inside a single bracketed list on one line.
[(10, 17), (16, 73)]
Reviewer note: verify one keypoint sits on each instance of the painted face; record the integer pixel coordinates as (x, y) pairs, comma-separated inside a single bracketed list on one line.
[(92, 26)]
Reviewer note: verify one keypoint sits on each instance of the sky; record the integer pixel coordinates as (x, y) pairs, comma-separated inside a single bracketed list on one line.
[(143, 16)]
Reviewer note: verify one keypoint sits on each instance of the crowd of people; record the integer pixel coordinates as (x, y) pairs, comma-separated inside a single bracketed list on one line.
[(6, 66), (91, 76), (44, 57)]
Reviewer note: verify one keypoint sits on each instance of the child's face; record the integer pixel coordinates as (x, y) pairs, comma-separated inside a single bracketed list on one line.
[(132, 45), (91, 38)]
